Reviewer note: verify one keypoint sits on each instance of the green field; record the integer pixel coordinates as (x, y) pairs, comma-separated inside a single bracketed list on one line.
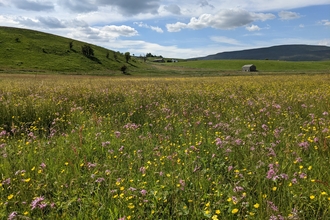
[(262, 65), (240, 147)]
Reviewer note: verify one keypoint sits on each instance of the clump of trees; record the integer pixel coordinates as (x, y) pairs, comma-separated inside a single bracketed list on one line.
[(87, 51)]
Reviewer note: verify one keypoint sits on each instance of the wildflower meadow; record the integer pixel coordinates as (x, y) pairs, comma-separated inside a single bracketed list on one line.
[(245, 147)]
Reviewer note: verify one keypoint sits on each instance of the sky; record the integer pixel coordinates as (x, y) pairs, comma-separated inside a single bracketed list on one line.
[(176, 29)]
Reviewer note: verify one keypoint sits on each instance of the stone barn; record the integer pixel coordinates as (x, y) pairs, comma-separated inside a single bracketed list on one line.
[(249, 68)]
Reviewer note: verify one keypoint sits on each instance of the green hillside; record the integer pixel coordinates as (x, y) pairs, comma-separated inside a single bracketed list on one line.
[(262, 65), (28, 50)]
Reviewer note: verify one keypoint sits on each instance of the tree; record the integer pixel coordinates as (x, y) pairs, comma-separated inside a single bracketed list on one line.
[(71, 45), (87, 51), (124, 69), (127, 56)]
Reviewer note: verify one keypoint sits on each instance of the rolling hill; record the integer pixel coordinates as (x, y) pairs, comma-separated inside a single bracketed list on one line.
[(29, 50), (282, 52)]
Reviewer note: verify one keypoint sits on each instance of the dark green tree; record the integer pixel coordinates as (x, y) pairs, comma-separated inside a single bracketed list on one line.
[(87, 51), (127, 56)]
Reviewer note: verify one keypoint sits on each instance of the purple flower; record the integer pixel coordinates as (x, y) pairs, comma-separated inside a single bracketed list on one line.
[(104, 144), (121, 148), (304, 145), (6, 181), (294, 181), (238, 189), (272, 206), (91, 165), (143, 170), (143, 192), (36, 202), (265, 127), (43, 165), (99, 180), (12, 215)]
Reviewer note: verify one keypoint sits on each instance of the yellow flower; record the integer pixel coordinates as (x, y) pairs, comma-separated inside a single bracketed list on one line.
[(214, 217), (251, 213), (256, 205), (10, 196), (25, 213), (218, 212), (229, 199), (131, 206), (207, 212), (27, 180), (122, 188), (66, 163), (33, 168), (129, 217), (324, 193), (234, 211), (310, 167), (312, 197), (274, 188), (207, 204)]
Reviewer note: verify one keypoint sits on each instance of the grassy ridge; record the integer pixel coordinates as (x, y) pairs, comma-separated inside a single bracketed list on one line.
[(37, 51)]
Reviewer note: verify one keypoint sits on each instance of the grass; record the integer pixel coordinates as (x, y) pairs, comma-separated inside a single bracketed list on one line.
[(31, 51), (81, 147), (262, 65)]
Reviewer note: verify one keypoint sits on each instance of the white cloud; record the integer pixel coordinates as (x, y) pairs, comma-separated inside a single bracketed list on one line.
[(174, 9), (288, 15), (122, 30), (103, 34), (157, 29), (324, 42), (225, 40), (253, 28), (175, 27), (225, 19), (36, 5), (325, 22), (301, 25)]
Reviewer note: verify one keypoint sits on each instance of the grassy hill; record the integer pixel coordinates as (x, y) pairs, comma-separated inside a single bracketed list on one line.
[(28, 50), (282, 52)]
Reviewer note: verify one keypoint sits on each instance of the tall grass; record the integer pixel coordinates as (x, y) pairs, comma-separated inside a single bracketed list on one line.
[(164, 148)]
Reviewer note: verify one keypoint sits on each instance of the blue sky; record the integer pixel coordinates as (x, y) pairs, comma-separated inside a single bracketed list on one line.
[(180, 28)]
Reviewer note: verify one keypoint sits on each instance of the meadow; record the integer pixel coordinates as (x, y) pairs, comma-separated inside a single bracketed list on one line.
[(239, 147)]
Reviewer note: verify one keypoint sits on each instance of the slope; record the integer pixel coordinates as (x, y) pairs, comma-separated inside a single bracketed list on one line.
[(29, 50)]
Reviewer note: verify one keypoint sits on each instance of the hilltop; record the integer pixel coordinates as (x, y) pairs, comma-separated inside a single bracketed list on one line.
[(29, 50), (282, 52)]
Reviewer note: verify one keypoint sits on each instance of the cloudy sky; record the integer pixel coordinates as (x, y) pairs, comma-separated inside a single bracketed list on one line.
[(175, 28)]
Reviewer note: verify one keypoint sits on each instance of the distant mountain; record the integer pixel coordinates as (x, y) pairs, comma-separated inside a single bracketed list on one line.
[(283, 52)]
